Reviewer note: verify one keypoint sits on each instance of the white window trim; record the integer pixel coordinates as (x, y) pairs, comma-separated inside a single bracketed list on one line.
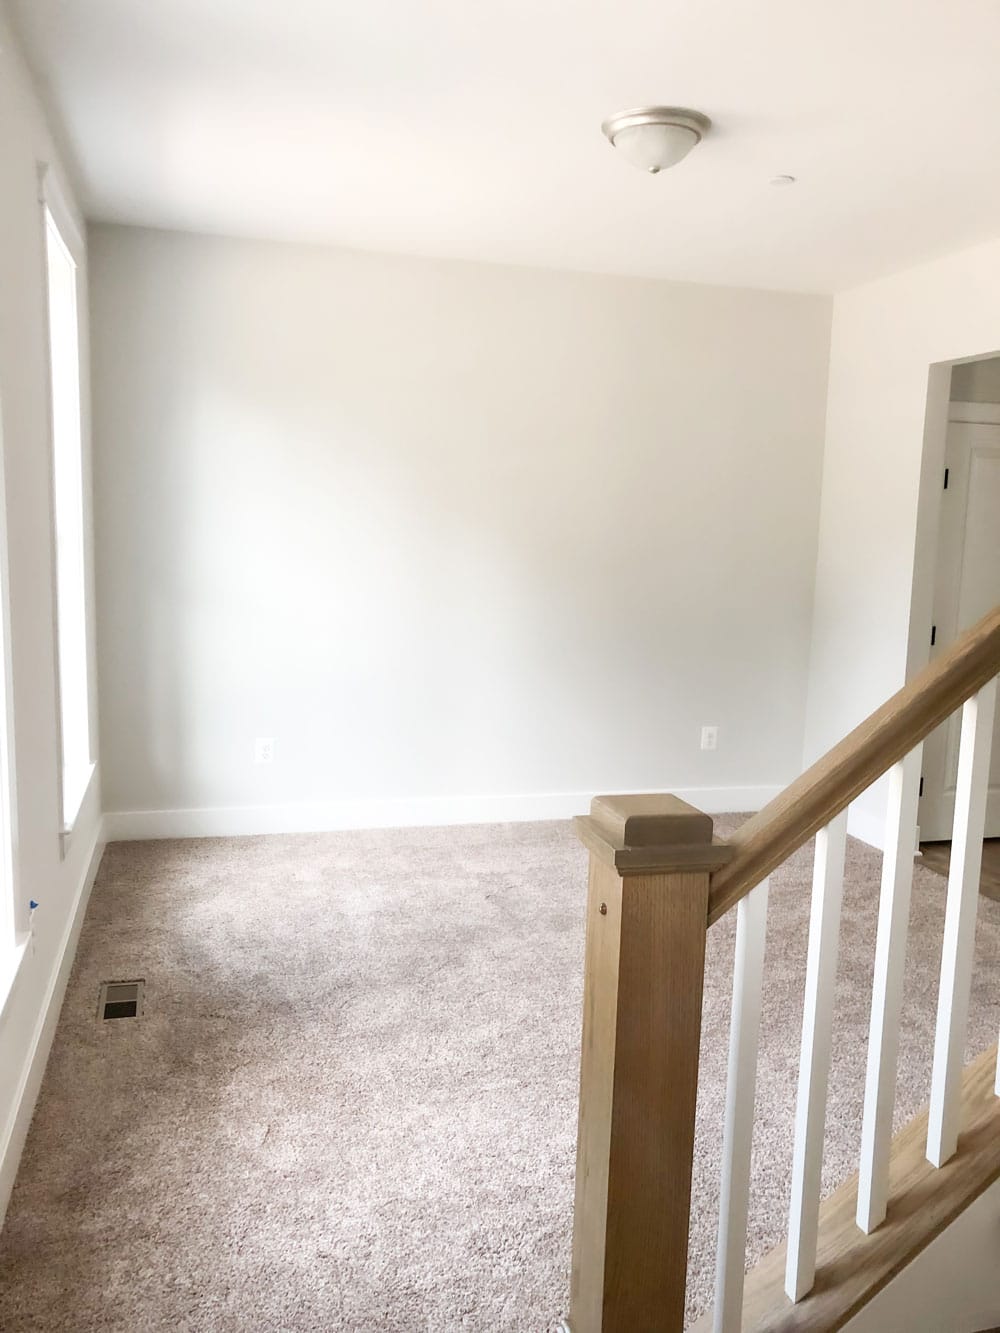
[(53, 200), (86, 777), (13, 941), (11, 959)]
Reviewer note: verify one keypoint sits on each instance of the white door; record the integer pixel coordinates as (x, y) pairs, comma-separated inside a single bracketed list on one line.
[(967, 586)]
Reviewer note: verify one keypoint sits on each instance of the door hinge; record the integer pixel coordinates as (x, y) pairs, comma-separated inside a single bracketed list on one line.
[(933, 634), (920, 792), (946, 478)]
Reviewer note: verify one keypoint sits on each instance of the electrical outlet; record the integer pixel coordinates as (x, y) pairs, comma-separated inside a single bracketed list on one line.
[(263, 750), (709, 738)]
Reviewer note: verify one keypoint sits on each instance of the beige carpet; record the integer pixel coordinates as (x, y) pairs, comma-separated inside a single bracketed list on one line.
[(351, 1102)]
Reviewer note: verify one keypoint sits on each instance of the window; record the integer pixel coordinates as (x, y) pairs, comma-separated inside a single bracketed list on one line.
[(64, 255)]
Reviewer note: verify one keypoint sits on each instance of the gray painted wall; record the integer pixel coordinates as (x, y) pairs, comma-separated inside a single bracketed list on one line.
[(444, 530)]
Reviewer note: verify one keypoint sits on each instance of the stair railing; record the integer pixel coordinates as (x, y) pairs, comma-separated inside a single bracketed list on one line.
[(658, 880)]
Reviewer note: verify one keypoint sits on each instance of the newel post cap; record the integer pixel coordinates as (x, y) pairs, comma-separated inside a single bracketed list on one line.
[(648, 833)]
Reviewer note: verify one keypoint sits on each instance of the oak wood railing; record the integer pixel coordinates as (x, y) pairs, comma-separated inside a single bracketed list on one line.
[(658, 881), (767, 839)]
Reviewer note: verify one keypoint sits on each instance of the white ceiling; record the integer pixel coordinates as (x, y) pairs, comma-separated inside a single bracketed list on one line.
[(471, 128)]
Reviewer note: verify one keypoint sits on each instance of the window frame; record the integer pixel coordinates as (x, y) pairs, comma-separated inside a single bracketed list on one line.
[(54, 207), (14, 934)]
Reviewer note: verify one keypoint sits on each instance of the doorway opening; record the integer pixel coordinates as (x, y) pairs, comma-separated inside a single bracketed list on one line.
[(966, 585)]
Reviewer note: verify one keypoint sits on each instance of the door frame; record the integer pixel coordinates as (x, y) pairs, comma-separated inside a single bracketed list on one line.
[(975, 414), (937, 747)]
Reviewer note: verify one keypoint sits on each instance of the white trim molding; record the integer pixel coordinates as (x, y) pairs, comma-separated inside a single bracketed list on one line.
[(979, 414), (86, 779), (29, 1080), (866, 827), (56, 198), (9, 858), (75, 771), (12, 955), (429, 811)]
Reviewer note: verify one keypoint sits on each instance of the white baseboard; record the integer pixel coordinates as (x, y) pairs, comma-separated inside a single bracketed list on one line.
[(866, 827), (333, 816), (30, 1081)]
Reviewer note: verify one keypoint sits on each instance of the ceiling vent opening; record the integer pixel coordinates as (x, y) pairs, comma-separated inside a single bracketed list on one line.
[(120, 999)]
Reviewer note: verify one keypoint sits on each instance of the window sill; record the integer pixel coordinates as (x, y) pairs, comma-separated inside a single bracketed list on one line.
[(71, 812), (10, 965)]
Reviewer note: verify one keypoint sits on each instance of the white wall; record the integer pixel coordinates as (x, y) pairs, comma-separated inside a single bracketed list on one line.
[(889, 388), (58, 883), (444, 531), (953, 1285)]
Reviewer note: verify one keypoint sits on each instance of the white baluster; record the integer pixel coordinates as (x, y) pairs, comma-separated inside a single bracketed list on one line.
[(960, 924), (748, 976), (814, 1058), (887, 991)]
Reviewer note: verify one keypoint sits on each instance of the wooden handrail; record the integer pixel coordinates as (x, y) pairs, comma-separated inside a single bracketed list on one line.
[(890, 733)]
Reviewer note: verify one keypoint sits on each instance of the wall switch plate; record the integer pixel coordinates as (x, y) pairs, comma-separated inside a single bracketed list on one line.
[(263, 750), (709, 738)]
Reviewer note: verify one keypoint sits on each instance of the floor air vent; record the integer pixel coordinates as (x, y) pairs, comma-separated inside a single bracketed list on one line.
[(120, 999)]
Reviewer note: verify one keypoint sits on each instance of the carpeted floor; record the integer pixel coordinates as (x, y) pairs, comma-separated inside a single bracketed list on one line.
[(350, 1104)]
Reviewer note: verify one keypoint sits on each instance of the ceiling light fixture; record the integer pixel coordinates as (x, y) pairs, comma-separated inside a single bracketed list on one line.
[(656, 137)]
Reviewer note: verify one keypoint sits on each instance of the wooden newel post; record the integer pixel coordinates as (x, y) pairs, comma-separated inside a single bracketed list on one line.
[(647, 917)]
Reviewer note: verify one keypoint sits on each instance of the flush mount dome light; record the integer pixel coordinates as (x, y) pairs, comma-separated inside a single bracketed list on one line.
[(656, 137)]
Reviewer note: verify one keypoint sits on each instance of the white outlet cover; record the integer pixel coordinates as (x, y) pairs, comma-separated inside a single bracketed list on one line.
[(263, 750)]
